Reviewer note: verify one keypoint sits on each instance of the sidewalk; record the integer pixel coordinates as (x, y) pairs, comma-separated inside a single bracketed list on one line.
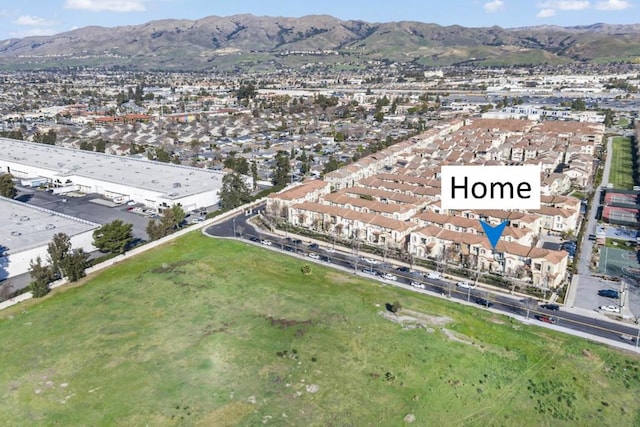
[(516, 296)]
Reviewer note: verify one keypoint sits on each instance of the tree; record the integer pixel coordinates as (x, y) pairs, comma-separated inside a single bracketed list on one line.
[(154, 230), (246, 91), (48, 138), (113, 237), (100, 145), (281, 170), (331, 165), (162, 155), (6, 290), (7, 187), (241, 166), (234, 191), (578, 105), (75, 264), (254, 173), (41, 276), (86, 146), (170, 220), (58, 250), (178, 215)]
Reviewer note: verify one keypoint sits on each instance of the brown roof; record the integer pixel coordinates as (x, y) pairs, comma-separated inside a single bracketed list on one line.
[(300, 191)]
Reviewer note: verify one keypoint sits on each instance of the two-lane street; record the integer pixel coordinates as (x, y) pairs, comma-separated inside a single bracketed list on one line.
[(361, 264)]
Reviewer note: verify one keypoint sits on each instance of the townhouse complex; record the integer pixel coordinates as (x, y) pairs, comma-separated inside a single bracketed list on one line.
[(391, 199)]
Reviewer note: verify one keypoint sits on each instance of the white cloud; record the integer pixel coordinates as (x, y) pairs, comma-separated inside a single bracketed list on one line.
[(493, 6), (613, 5), (33, 32), (32, 21), (106, 5), (565, 4), (546, 13)]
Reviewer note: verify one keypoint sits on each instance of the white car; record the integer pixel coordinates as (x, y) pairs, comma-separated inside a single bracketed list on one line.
[(610, 308), (371, 261), (418, 285), (266, 242), (389, 276), (331, 250), (314, 255), (465, 285), (434, 275)]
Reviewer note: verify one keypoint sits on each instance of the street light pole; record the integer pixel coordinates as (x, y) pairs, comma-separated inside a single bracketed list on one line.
[(234, 226)]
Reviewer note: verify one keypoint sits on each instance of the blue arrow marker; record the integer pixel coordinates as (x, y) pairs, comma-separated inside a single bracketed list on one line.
[(493, 233)]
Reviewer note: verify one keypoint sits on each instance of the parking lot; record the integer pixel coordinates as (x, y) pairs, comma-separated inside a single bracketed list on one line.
[(80, 206), (613, 263)]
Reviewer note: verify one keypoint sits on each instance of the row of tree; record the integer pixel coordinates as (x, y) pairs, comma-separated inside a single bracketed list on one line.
[(112, 238), (63, 262)]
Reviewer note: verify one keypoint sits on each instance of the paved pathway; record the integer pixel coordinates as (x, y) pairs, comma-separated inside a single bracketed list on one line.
[(586, 251)]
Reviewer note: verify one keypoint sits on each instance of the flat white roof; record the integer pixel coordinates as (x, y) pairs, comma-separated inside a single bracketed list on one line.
[(174, 181), (25, 227)]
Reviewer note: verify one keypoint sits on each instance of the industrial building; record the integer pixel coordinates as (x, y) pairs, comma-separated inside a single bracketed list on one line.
[(121, 179), (27, 230)]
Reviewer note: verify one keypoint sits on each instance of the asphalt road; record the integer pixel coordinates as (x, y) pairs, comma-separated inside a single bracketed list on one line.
[(356, 263)]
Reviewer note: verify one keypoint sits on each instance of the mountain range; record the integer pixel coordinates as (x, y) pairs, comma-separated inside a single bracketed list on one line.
[(247, 41)]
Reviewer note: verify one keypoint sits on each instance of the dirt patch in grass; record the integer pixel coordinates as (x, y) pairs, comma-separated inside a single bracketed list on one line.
[(285, 323), (407, 317), (453, 336), (228, 415), (592, 357), (169, 268), (338, 278)]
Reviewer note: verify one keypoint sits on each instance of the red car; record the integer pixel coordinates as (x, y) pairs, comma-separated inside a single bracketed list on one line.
[(546, 319)]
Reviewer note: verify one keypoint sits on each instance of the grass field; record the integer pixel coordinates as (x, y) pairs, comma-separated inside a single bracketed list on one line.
[(207, 332), (621, 174)]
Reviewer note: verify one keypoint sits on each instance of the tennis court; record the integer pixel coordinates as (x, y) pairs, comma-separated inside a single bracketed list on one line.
[(620, 263)]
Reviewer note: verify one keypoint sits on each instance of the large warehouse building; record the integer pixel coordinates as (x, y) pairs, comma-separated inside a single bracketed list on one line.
[(27, 230), (156, 185)]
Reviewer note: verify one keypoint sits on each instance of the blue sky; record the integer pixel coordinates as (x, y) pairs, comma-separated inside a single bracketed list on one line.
[(44, 17)]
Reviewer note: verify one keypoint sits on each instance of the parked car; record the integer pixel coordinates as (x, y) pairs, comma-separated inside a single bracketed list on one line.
[(289, 249), (254, 239), (314, 255), (609, 293), (403, 269), (554, 307), (434, 275), (314, 246), (610, 308), (266, 242), (371, 261), (418, 285), (546, 319), (466, 285), (325, 258), (389, 276), (370, 271), (484, 302)]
